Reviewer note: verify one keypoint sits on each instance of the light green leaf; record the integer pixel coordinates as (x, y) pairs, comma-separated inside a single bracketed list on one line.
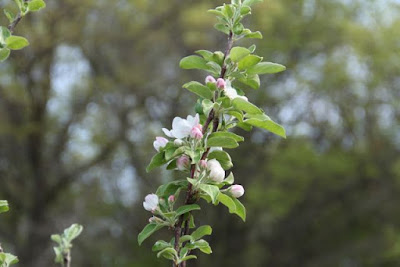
[(268, 125), (36, 5), (237, 53), (160, 245), (194, 62), (73, 232), (246, 106), (148, 231), (185, 209), (171, 188), (245, 10), (234, 136), (254, 35), (198, 89), (3, 206), (10, 16), (56, 238), (222, 28), (251, 2), (4, 34), (228, 202), (190, 257), (157, 161), (168, 253), (210, 190), (240, 209), (266, 67), (201, 231), (230, 179), (203, 246), (7, 259), (16, 42), (207, 55), (248, 61), (223, 158), (225, 142)]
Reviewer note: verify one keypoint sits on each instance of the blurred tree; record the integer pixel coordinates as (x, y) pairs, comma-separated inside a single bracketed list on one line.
[(81, 106)]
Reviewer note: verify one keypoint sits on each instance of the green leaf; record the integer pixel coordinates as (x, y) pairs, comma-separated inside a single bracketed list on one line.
[(4, 35), (171, 188), (222, 28), (207, 55), (254, 35), (237, 114), (266, 67), (268, 125), (73, 232), (225, 142), (173, 151), (185, 209), (185, 238), (234, 136), (216, 12), (168, 253), (240, 209), (10, 16), (160, 245), (210, 190), (245, 10), (252, 80), (244, 126), (248, 61), (246, 106), (36, 5), (157, 161), (194, 62), (230, 179), (228, 202), (6, 259), (237, 53), (190, 257), (16, 42), (56, 238), (198, 89), (3, 206), (223, 158), (203, 246), (251, 2), (148, 231), (201, 231)]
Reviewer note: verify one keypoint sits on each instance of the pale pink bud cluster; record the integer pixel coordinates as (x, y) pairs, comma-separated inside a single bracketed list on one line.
[(210, 79), (171, 199), (236, 190), (203, 163), (217, 173), (221, 83), (197, 132), (151, 202), (183, 163), (160, 142)]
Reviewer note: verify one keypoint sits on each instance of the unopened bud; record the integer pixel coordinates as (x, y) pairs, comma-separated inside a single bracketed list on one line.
[(183, 163), (236, 190), (217, 173), (203, 163), (196, 132), (178, 142), (210, 79), (171, 198), (221, 83)]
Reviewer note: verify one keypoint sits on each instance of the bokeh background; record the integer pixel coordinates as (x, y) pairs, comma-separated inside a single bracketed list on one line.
[(80, 107)]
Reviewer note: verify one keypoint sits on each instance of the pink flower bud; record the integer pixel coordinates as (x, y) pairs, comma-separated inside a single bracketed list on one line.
[(160, 142), (183, 163), (151, 202), (203, 163), (196, 132), (210, 79), (221, 83), (171, 198), (236, 190)]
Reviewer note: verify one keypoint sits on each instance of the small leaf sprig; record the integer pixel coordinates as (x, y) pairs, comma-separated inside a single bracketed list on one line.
[(64, 241), (6, 259), (197, 145), (8, 41)]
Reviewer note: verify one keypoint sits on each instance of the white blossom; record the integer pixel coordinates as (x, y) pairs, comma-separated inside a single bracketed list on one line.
[(182, 128), (217, 173), (151, 202)]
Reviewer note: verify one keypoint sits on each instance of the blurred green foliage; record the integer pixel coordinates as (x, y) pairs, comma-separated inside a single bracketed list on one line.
[(80, 106)]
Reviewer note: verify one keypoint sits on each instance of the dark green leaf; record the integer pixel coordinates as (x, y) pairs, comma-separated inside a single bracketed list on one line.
[(186, 209), (168, 253), (171, 188), (160, 245), (157, 161), (201, 231)]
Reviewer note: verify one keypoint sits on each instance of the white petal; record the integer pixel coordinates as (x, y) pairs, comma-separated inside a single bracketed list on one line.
[(167, 132)]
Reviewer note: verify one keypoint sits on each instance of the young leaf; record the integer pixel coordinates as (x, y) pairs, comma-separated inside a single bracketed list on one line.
[(228, 202), (194, 62), (157, 161), (160, 245), (223, 158), (222, 28), (4, 34), (171, 188), (248, 61), (198, 89), (10, 16), (203, 246), (16, 42), (268, 125), (6, 259), (251, 2), (240, 209), (36, 5), (168, 253), (202, 231), (266, 67), (254, 35), (210, 190), (73, 232), (148, 231), (237, 53), (186, 209), (190, 257), (246, 106), (234, 136)]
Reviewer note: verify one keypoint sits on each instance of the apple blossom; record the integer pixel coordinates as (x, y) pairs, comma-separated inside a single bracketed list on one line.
[(217, 173), (231, 92), (182, 128), (197, 132), (210, 79), (236, 190), (183, 163), (221, 83), (160, 142), (151, 202)]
